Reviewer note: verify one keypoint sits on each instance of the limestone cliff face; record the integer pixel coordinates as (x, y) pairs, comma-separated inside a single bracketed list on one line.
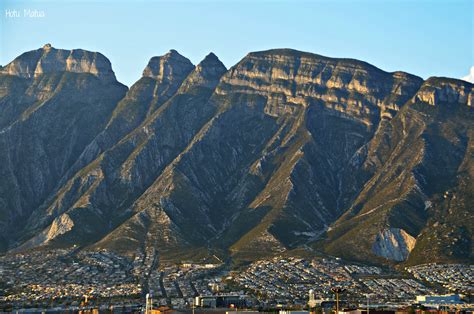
[(49, 60), (284, 149), (443, 90), (394, 244), (348, 86)]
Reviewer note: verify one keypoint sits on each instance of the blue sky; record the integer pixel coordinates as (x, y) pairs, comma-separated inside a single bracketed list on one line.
[(425, 38)]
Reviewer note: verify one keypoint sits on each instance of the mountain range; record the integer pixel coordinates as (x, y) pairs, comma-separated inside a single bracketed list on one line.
[(284, 150)]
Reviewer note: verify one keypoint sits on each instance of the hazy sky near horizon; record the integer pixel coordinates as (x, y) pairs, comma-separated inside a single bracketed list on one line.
[(426, 38)]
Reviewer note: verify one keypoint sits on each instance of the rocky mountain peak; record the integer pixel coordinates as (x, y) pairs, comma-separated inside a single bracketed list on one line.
[(206, 74), (169, 67), (211, 63), (175, 53), (437, 90), (50, 60), (211, 57)]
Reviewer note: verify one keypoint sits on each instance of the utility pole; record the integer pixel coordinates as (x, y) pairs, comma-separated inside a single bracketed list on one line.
[(367, 295), (337, 291)]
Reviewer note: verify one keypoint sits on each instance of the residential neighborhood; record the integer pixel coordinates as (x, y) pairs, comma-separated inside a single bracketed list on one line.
[(453, 277), (70, 278)]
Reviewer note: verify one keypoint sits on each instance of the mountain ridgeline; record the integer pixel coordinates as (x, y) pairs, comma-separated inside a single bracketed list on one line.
[(284, 150)]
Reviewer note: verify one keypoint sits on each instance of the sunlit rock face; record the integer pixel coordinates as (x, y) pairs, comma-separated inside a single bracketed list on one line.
[(443, 90), (394, 244), (348, 86), (60, 225), (49, 60)]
